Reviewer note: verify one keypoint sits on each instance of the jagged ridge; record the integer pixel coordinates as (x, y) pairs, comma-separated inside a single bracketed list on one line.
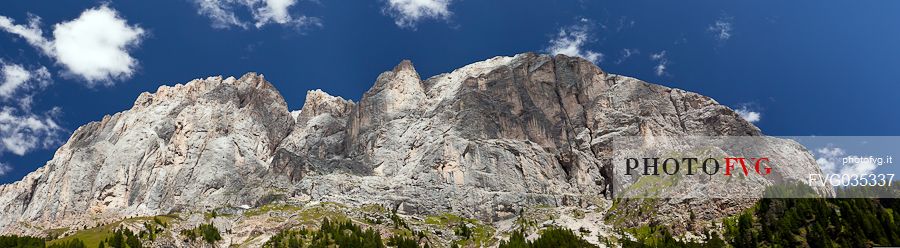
[(481, 141)]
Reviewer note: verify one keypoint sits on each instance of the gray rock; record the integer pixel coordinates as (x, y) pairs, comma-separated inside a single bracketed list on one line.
[(482, 141), (202, 145)]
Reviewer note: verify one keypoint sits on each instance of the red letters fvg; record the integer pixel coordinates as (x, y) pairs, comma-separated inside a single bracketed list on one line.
[(709, 166)]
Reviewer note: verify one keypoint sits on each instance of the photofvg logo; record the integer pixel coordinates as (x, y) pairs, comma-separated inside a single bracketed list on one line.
[(688, 166), (741, 167)]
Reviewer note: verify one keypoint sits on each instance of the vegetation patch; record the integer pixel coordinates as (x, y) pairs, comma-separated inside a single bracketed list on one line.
[(208, 232), (551, 237), (817, 222), (792, 222), (312, 215), (659, 236), (91, 237), (470, 232), (56, 232), (265, 209), (330, 234), (21, 241), (122, 238), (630, 209), (372, 208)]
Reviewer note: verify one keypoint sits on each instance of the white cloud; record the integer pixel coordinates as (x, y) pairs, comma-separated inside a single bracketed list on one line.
[(407, 13), (93, 47), (14, 78), (660, 69), (861, 168), (275, 11), (16, 83), (219, 12), (831, 151), (722, 28), (20, 129), (748, 115), (4, 168), (570, 41), (828, 166), (627, 53), (21, 132), (222, 13), (828, 160), (31, 33), (662, 63)]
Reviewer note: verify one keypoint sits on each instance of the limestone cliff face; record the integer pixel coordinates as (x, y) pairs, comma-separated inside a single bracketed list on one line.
[(200, 145), (482, 141)]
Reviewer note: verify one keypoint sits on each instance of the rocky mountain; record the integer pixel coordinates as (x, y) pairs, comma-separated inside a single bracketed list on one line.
[(483, 141)]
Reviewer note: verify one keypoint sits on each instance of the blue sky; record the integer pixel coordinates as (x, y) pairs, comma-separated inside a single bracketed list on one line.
[(804, 67)]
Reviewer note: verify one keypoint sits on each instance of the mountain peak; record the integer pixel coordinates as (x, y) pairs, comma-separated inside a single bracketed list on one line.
[(404, 65), (214, 86), (482, 141), (320, 102)]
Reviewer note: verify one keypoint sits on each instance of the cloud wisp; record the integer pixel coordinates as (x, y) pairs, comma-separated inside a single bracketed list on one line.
[(662, 63), (571, 41), (408, 13), (94, 47), (627, 53), (17, 84), (748, 115), (21, 130), (722, 28), (223, 14), (4, 168), (829, 158)]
